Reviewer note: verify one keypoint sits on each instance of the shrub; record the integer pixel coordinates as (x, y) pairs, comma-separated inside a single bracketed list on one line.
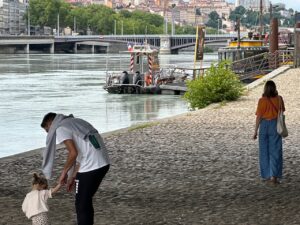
[(218, 84), (207, 49)]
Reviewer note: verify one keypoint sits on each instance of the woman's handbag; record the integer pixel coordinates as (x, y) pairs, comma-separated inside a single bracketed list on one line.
[(281, 127)]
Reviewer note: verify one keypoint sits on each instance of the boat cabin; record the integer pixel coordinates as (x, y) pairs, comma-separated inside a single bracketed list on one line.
[(139, 74), (244, 49)]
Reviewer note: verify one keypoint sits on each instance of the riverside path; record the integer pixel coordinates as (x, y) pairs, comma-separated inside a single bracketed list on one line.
[(196, 168)]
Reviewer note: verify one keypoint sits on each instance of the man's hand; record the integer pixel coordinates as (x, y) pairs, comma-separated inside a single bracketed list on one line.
[(70, 184), (63, 178)]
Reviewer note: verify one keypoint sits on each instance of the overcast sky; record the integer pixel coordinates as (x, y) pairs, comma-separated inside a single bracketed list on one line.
[(294, 4)]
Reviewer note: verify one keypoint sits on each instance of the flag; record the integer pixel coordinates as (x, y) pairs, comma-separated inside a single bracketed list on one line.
[(199, 43), (129, 46)]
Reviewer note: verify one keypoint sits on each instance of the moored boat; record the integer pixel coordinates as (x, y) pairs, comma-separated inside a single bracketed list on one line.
[(145, 75), (243, 49)]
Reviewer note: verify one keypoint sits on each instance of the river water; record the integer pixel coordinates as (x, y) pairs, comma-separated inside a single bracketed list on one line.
[(33, 85)]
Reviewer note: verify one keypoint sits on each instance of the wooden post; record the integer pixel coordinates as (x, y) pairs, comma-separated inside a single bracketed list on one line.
[(274, 36), (273, 64), (297, 46)]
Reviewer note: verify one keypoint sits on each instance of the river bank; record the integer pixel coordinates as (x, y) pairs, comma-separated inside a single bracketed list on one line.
[(197, 168)]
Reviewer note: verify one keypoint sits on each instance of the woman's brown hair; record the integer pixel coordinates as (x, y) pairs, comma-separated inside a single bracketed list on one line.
[(270, 89)]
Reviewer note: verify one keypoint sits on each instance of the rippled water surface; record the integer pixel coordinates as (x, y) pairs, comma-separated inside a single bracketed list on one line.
[(32, 85)]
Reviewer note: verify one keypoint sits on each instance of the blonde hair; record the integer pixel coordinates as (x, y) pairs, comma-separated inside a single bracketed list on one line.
[(40, 180)]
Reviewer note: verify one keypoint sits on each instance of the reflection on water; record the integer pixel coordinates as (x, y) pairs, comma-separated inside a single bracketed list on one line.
[(32, 85)]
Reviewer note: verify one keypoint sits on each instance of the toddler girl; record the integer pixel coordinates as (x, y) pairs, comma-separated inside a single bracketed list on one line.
[(35, 203)]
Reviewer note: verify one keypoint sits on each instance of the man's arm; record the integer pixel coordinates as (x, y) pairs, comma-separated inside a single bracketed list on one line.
[(71, 160), (71, 180)]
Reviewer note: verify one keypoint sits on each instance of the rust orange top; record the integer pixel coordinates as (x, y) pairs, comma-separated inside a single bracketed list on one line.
[(266, 109)]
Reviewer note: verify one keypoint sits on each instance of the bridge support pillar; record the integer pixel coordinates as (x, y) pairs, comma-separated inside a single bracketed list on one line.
[(75, 48), (52, 48), (165, 45), (93, 49), (26, 49)]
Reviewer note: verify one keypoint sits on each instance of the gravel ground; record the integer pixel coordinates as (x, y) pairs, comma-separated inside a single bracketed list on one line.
[(196, 168)]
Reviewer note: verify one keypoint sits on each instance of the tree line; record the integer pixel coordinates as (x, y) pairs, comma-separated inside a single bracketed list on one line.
[(249, 18), (99, 19)]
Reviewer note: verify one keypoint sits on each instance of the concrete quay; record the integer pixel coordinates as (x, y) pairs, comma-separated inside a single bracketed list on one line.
[(197, 168)]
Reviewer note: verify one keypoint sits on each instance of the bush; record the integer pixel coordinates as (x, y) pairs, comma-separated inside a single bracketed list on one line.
[(207, 49), (218, 84)]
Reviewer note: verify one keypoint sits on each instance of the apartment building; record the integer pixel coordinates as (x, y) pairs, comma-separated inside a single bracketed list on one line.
[(253, 4), (11, 17), (222, 7), (188, 16)]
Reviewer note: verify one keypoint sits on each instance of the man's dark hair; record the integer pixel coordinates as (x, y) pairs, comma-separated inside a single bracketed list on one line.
[(48, 118)]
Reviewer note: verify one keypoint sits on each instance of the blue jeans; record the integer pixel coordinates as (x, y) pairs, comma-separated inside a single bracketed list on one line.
[(270, 149)]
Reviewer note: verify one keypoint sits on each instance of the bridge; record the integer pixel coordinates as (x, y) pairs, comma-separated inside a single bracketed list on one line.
[(104, 43), (165, 43), (23, 44)]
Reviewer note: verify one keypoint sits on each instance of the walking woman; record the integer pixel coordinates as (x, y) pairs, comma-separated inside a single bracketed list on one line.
[(270, 142)]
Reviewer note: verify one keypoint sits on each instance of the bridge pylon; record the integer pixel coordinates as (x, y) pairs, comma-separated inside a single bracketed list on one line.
[(165, 44)]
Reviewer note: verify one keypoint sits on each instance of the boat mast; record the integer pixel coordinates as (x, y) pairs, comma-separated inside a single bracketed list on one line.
[(260, 19)]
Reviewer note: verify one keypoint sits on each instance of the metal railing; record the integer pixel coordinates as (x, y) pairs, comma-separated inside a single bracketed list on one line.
[(262, 64)]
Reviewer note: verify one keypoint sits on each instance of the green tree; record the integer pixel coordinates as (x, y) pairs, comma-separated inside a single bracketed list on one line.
[(214, 20), (45, 12), (237, 13), (98, 18)]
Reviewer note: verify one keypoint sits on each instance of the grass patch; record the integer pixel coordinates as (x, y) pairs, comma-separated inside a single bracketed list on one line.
[(142, 126)]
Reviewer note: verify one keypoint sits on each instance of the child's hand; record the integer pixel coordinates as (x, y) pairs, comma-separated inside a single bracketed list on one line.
[(56, 188)]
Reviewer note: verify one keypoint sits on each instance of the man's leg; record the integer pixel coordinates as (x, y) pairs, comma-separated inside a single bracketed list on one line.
[(86, 186)]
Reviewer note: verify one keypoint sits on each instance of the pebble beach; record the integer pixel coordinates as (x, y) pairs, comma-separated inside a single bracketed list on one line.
[(196, 168)]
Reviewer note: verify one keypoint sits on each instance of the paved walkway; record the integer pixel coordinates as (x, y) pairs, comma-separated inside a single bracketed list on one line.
[(197, 168)]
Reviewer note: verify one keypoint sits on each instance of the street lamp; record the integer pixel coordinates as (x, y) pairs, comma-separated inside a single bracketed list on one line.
[(74, 24), (57, 24), (28, 18), (122, 27), (173, 25)]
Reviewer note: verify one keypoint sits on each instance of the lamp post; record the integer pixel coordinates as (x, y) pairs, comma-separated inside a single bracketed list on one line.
[(122, 27), (173, 25), (57, 24), (115, 28), (28, 19), (74, 24)]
